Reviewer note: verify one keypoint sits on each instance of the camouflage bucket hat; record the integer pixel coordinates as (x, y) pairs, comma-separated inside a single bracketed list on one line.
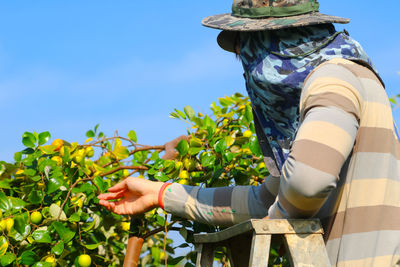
[(260, 15)]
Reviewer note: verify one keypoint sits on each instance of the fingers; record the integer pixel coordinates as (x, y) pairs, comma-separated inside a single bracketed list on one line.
[(107, 204), (118, 187), (111, 196)]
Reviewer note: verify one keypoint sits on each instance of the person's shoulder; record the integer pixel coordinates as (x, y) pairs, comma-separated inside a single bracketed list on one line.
[(342, 69)]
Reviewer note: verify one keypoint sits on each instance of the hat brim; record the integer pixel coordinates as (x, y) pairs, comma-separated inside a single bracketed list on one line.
[(231, 25)]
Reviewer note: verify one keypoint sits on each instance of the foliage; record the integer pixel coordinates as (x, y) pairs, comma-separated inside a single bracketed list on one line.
[(61, 181)]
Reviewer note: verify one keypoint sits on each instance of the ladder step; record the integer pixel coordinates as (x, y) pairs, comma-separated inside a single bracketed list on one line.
[(249, 243)]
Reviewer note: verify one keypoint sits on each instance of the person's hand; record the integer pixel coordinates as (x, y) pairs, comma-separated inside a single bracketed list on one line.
[(170, 152), (133, 195)]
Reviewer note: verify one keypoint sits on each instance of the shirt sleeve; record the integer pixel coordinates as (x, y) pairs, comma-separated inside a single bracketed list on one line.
[(330, 110), (222, 206)]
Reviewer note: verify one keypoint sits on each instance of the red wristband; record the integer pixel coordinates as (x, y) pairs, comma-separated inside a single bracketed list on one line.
[(161, 193)]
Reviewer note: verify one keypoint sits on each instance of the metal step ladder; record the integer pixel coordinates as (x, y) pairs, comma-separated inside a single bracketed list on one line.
[(248, 243)]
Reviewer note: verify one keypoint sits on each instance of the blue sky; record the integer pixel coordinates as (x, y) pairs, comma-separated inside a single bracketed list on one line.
[(67, 65)]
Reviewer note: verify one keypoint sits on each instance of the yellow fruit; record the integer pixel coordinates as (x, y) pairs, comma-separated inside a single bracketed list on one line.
[(84, 260), (36, 217), (225, 122), (125, 226), (9, 224), (51, 260), (262, 165), (58, 203), (248, 133), (141, 176), (184, 175), (89, 151), (125, 173), (183, 181), (57, 159), (58, 143), (3, 225)]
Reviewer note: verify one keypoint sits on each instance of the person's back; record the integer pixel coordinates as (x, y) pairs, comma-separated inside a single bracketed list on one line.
[(362, 214)]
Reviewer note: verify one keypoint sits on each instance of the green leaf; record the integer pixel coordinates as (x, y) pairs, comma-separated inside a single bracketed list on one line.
[(21, 224), (28, 139), (58, 248), (248, 114), (7, 259), (208, 159), (5, 184), (65, 234), (183, 116), (18, 156), (182, 147), (91, 246), (175, 261), (90, 134), (220, 146), (74, 217), (44, 137), (5, 204), (132, 136), (17, 203), (160, 220), (35, 197), (100, 183), (189, 112), (254, 146), (54, 184), (41, 236), (160, 176), (28, 257), (42, 264), (155, 253), (195, 150), (183, 232)]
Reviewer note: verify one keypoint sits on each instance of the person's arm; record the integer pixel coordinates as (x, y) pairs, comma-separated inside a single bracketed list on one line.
[(330, 109), (223, 206)]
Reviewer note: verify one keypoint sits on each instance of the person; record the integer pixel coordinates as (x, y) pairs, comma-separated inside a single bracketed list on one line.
[(325, 127)]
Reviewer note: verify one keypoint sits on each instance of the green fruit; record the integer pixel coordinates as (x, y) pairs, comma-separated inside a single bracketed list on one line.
[(178, 165), (89, 151), (1, 214), (36, 217), (189, 164), (84, 260)]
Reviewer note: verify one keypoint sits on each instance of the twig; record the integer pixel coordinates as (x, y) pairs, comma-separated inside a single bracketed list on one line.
[(69, 193), (124, 168)]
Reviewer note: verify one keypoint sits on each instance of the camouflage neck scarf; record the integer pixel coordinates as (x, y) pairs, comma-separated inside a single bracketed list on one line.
[(276, 64)]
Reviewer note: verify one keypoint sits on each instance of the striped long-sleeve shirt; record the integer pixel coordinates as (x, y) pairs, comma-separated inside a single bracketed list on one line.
[(343, 168)]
